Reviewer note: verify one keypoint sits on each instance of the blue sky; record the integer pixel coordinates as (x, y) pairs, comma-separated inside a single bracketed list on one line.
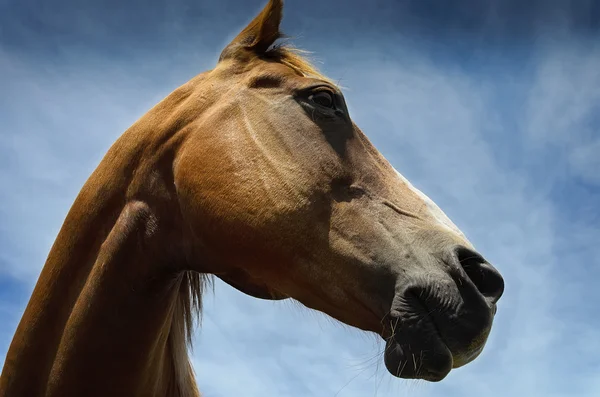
[(492, 108)]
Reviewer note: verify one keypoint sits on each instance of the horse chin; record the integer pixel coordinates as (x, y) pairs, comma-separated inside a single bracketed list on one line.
[(243, 283), (421, 357)]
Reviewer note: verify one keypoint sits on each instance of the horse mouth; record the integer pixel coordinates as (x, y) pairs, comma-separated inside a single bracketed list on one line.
[(426, 346), (422, 355)]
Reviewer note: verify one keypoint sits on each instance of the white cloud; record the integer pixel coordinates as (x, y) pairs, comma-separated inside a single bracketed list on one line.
[(564, 106)]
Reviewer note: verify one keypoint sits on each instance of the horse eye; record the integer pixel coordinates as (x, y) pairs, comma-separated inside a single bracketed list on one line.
[(322, 98)]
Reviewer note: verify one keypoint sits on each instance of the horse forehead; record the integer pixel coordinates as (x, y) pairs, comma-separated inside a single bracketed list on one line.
[(431, 207)]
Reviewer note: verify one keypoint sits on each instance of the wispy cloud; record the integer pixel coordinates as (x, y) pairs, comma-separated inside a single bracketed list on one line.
[(564, 107)]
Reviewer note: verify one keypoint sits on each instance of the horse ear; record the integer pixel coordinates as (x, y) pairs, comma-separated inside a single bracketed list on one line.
[(260, 34)]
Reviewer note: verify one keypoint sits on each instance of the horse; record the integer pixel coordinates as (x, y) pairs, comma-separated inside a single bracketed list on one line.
[(254, 173)]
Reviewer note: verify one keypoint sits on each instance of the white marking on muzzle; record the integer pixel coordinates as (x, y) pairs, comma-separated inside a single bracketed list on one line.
[(433, 209)]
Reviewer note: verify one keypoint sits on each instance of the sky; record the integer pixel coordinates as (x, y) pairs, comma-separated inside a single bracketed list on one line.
[(490, 107)]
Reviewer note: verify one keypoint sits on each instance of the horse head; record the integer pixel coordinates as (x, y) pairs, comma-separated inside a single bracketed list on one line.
[(285, 197)]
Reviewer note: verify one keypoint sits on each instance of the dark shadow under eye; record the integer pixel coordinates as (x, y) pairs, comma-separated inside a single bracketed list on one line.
[(322, 98)]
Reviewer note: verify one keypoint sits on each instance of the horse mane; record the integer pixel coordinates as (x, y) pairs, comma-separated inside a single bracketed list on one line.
[(186, 314)]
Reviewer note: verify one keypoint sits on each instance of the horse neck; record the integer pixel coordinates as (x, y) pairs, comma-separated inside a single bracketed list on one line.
[(110, 311)]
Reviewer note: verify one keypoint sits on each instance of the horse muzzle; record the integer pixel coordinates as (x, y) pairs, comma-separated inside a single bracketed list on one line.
[(441, 320)]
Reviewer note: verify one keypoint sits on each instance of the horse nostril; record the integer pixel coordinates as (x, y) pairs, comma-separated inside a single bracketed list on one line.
[(485, 277)]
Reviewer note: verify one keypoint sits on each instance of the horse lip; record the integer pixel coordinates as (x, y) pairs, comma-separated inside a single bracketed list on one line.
[(430, 368), (459, 359), (427, 369), (456, 359), (470, 357)]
